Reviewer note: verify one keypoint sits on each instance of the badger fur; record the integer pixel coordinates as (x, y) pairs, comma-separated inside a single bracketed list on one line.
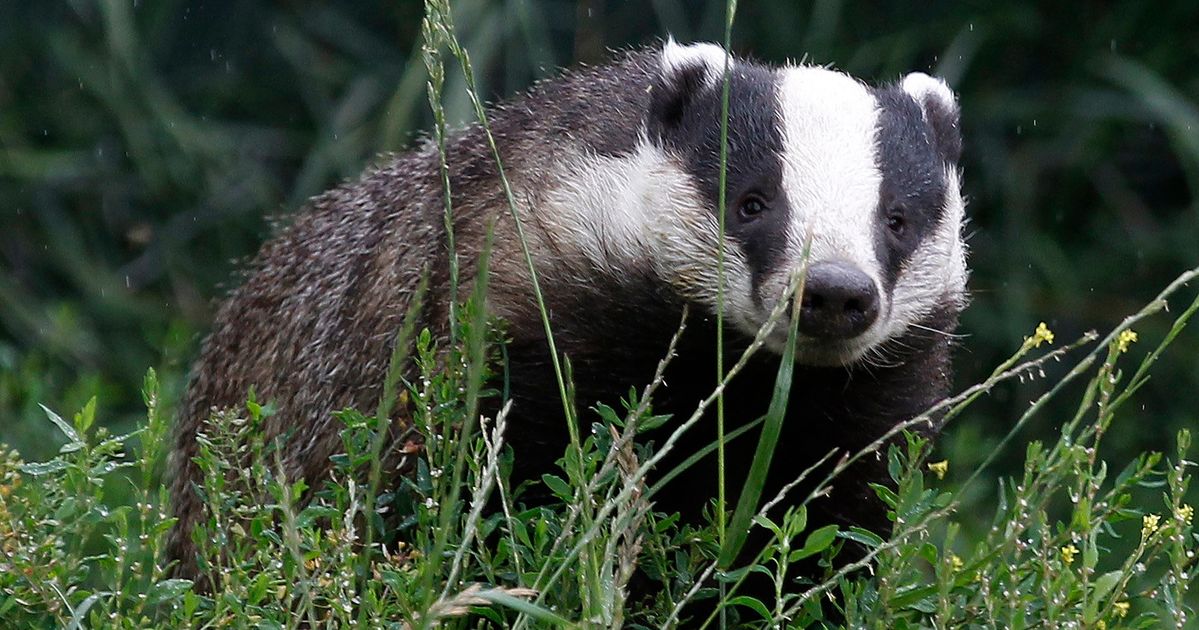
[(615, 172)]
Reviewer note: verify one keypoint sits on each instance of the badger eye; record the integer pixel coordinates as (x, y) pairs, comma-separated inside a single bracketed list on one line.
[(751, 208), (896, 222)]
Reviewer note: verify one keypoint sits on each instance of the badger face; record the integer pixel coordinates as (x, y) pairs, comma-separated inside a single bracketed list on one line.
[(867, 177)]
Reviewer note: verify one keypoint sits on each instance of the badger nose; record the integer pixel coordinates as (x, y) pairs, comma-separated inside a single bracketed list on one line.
[(839, 301)]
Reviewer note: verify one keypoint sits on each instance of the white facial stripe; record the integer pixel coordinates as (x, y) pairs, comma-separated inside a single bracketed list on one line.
[(830, 175)]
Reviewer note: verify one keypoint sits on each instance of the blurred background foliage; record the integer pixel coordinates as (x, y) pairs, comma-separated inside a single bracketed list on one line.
[(147, 146)]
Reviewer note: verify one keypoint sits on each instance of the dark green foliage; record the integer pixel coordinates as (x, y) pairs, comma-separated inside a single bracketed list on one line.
[(77, 554)]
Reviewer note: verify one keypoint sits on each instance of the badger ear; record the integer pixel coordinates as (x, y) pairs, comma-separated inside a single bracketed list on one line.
[(940, 107), (684, 73)]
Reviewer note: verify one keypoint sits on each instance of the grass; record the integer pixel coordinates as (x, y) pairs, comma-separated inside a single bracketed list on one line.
[(75, 557)]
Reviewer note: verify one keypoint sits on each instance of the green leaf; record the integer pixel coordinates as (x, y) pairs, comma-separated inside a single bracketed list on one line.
[(608, 414), (649, 423), (765, 521), (796, 521), (150, 388), (80, 612), (752, 604), (1090, 551), (43, 468), (314, 513), (817, 542), (73, 438), (522, 606), (1103, 586), (863, 536), (558, 486), (885, 494), (915, 597), (894, 466), (86, 416)]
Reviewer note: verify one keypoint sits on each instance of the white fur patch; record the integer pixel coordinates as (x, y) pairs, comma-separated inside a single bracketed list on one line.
[(599, 203), (643, 210), (677, 57), (922, 88)]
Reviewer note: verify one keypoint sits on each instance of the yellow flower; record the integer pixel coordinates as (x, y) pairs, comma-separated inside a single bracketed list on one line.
[(1068, 553), (1186, 514), (1042, 333), (1121, 608), (1149, 523), (1101, 625), (1126, 338), (939, 468), (956, 562)]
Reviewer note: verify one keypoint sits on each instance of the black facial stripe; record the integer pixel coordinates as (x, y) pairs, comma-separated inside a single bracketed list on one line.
[(913, 179), (685, 118)]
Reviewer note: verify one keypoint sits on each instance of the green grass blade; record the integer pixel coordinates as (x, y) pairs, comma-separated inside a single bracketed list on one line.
[(751, 492), (524, 607), (698, 455)]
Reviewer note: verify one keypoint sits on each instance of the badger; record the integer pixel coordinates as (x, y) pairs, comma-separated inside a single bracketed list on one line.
[(615, 172)]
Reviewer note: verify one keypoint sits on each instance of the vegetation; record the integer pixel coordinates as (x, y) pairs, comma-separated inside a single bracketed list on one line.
[(134, 161), (76, 556)]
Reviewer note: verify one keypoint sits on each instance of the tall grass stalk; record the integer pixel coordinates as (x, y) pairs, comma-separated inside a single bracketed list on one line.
[(755, 481), (439, 15), (722, 218), (476, 373), (383, 424), (722, 213)]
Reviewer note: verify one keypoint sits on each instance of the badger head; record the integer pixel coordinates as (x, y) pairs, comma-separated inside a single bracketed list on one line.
[(864, 179)]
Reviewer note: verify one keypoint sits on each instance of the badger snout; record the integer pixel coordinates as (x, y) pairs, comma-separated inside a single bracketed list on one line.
[(839, 301)]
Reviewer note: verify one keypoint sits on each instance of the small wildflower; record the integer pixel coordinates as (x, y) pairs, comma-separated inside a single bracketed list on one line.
[(1186, 514), (939, 468), (1068, 553), (1042, 333), (956, 562), (1101, 625), (1121, 609), (1126, 338), (1149, 524)]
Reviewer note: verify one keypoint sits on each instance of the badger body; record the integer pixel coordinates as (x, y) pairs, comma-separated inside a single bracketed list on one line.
[(615, 173)]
